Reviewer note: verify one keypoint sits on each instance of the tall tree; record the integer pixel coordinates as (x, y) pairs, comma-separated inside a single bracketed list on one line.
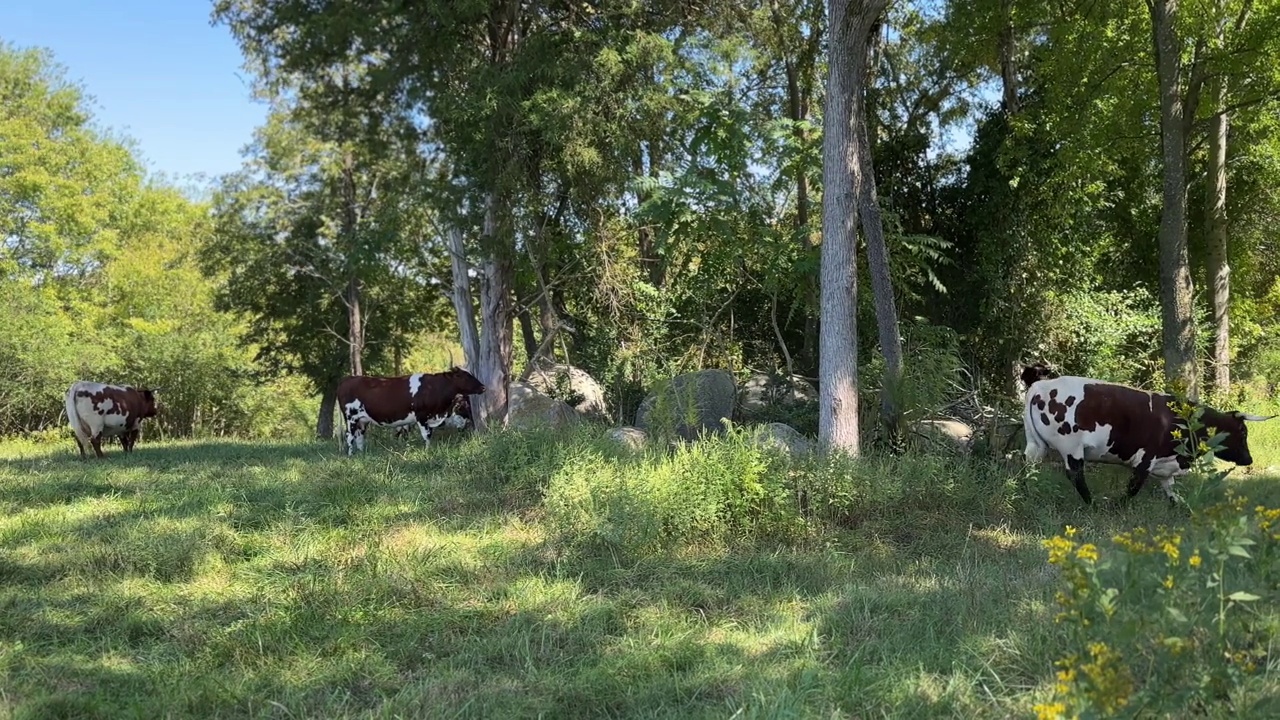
[(850, 23), (1178, 322)]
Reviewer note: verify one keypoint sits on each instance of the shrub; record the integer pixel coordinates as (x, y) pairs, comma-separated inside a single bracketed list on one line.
[(717, 490)]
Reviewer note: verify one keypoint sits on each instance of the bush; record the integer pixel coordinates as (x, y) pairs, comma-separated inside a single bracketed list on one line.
[(714, 491)]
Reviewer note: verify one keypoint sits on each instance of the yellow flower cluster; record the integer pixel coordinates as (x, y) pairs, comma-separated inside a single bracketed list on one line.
[(1268, 518), (1050, 711), (1110, 683), (1139, 542), (1076, 561)]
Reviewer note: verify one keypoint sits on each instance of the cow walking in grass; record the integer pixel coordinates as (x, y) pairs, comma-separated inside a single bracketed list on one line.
[(96, 411), (1086, 419), (428, 400)]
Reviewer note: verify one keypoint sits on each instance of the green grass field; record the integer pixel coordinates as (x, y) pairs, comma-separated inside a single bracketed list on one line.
[(234, 579)]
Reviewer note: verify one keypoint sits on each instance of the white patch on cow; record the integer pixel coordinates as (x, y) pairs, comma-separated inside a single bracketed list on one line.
[(106, 405), (415, 382)]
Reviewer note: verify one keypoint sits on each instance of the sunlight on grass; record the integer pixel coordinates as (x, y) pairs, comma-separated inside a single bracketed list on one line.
[(220, 577)]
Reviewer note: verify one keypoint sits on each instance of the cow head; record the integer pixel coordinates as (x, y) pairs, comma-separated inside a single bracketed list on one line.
[(1235, 444), (1033, 373), (149, 407), (464, 383)]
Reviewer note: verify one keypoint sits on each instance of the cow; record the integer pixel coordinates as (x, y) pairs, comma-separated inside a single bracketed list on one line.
[(1087, 419), (96, 411), (428, 400), (1039, 371)]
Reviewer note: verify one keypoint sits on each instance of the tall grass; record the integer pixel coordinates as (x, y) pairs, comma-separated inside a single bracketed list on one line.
[(536, 573)]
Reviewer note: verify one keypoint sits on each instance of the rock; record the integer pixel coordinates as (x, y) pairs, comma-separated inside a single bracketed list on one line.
[(762, 391), (705, 397), (572, 385), (950, 433), (528, 408), (629, 437), (783, 437)]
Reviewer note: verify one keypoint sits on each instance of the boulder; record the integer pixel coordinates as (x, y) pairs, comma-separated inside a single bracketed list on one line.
[(762, 391), (783, 437), (951, 434), (689, 404), (629, 437), (572, 385), (528, 408)]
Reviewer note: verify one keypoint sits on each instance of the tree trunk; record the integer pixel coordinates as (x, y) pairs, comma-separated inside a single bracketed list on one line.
[(324, 420), (461, 297), (527, 334), (1175, 273), (1216, 232), (496, 284), (838, 342), (1008, 58), (877, 251), (355, 327)]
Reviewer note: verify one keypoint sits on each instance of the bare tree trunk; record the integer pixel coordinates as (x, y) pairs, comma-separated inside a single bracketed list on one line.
[(1175, 272), (877, 251), (461, 296), (527, 334), (838, 343), (324, 419), (355, 327), (496, 284), (1008, 59), (1216, 232)]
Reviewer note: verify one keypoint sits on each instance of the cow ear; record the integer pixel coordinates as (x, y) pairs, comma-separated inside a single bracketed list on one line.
[(1253, 418)]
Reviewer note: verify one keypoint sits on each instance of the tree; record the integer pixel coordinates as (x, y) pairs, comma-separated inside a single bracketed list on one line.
[(843, 180)]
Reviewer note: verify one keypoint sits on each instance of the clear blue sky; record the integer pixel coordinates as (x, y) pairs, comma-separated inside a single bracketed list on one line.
[(157, 71)]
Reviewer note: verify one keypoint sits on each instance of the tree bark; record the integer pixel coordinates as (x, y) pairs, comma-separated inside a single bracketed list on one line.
[(1175, 273), (324, 419), (461, 296), (838, 342), (1008, 59), (1216, 232), (355, 327), (496, 284), (527, 334), (877, 251)]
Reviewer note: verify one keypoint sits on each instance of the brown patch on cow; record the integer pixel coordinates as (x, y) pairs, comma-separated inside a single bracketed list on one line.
[(1056, 409), (1071, 400), (1037, 402), (1064, 428), (1044, 418), (1141, 420)]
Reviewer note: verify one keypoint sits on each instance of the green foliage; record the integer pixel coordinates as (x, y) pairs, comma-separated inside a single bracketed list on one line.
[(1114, 335), (720, 490)]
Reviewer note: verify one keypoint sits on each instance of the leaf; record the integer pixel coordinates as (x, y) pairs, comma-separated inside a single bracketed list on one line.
[(1242, 596), (1178, 615), (1239, 551)]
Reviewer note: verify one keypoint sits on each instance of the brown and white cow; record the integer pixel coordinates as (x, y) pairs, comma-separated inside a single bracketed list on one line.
[(1086, 419), (96, 411), (428, 400)]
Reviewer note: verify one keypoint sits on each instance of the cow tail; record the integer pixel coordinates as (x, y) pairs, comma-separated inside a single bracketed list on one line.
[(73, 417), (1029, 419)]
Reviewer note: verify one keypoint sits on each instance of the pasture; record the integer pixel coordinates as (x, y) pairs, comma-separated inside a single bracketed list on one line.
[(243, 579)]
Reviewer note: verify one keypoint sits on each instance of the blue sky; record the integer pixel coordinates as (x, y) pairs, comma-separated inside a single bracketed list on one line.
[(157, 71)]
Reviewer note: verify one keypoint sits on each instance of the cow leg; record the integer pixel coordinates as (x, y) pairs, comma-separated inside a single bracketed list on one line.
[(355, 436), (1166, 484), (1136, 482), (425, 429), (1075, 470), (96, 441)]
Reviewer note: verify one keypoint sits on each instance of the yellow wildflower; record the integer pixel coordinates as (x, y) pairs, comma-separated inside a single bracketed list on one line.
[(1177, 434), (1087, 552), (1170, 547), (1051, 711), (1168, 582), (1194, 560)]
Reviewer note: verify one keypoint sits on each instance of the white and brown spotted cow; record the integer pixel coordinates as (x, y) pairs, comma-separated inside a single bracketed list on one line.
[(96, 411), (428, 400), (1086, 419)]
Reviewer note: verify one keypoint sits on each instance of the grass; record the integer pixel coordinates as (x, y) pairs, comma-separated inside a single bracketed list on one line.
[(239, 579)]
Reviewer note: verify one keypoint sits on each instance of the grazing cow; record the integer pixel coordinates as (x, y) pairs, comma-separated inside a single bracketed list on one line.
[(96, 411), (1086, 419), (426, 399)]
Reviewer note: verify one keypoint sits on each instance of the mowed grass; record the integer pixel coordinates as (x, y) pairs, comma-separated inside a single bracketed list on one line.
[(238, 579)]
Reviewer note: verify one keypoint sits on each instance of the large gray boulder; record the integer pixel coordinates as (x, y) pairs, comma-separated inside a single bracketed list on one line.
[(528, 408), (689, 404), (571, 384), (761, 392), (948, 434)]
